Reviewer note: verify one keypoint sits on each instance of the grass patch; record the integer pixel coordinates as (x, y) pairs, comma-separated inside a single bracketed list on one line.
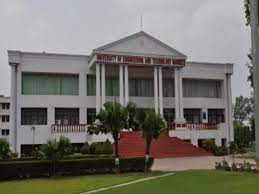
[(67, 185), (196, 182), (185, 182)]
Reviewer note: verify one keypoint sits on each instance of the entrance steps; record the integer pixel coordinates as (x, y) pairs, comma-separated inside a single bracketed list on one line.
[(133, 144)]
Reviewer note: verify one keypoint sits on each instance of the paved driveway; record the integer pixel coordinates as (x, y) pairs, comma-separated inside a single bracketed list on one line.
[(189, 163)]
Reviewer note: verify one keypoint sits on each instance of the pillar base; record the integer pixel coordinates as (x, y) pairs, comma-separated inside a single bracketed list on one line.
[(180, 124)]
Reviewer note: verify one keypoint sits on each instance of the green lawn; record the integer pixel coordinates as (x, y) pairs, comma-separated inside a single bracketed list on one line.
[(67, 185), (186, 182)]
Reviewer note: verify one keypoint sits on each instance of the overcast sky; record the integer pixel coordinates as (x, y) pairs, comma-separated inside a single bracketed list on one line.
[(204, 30)]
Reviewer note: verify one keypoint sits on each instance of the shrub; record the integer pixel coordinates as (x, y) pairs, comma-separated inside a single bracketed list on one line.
[(220, 151), (107, 147), (101, 148), (208, 145), (247, 166), (14, 155), (64, 147), (92, 148), (225, 165), (218, 165), (85, 149), (38, 154), (241, 150), (234, 167), (98, 148), (233, 147), (5, 151), (55, 150), (27, 169), (76, 149)]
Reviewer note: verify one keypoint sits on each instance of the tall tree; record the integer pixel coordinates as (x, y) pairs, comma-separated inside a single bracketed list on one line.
[(112, 119), (151, 125), (243, 109)]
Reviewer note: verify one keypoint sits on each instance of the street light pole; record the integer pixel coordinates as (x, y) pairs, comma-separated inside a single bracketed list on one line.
[(33, 136), (255, 60)]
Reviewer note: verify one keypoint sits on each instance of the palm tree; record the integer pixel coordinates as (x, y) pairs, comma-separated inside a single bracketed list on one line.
[(112, 119), (151, 124), (132, 122)]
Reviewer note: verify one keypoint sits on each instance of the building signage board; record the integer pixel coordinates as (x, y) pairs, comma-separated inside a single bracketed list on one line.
[(139, 60)]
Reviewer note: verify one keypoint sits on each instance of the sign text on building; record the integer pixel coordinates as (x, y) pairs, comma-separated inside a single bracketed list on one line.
[(139, 60)]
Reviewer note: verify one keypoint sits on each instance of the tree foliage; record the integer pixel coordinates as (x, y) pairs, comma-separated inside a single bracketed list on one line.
[(242, 136), (5, 151), (112, 119), (151, 125), (243, 109), (55, 150)]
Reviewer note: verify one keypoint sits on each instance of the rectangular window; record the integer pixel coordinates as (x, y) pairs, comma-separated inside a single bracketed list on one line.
[(5, 118), (169, 115), (216, 115), (91, 85), (141, 87), (50, 84), (67, 116), (34, 116), (5, 132), (168, 87), (91, 115), (201, 88), (192, 115), (112, 86), (5, 106)]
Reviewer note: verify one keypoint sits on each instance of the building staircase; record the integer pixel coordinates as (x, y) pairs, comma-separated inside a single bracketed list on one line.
[(133, 144)]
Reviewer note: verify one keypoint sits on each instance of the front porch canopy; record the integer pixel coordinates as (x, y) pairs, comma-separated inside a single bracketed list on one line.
[(139, 49)]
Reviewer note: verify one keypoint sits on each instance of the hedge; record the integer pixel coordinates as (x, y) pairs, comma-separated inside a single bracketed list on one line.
[(33, 169)]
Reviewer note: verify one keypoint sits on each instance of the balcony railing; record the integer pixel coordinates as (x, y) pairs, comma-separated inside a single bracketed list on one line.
[(80, 128), (196, 127)]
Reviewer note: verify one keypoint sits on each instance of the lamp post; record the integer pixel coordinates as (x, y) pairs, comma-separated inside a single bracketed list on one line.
[(33, 129), (255, 60)]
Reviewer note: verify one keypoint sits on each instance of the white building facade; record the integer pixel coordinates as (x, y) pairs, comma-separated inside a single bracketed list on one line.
[(60, 94), (4, 117)]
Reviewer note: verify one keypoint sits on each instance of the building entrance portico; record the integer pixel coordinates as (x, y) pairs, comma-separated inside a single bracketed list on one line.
[(162, 57)]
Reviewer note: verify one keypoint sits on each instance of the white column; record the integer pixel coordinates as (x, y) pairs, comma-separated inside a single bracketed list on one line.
[(103, 84), (181, 94), (176, 88), (82, 115), (121, 84), (126, 80), (13, 108), (97, 88), (51, 115), (161, 108), (155, 89), (179, 116)]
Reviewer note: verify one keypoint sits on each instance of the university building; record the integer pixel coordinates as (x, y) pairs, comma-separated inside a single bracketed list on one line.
[(60, 94), (4, 117)]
